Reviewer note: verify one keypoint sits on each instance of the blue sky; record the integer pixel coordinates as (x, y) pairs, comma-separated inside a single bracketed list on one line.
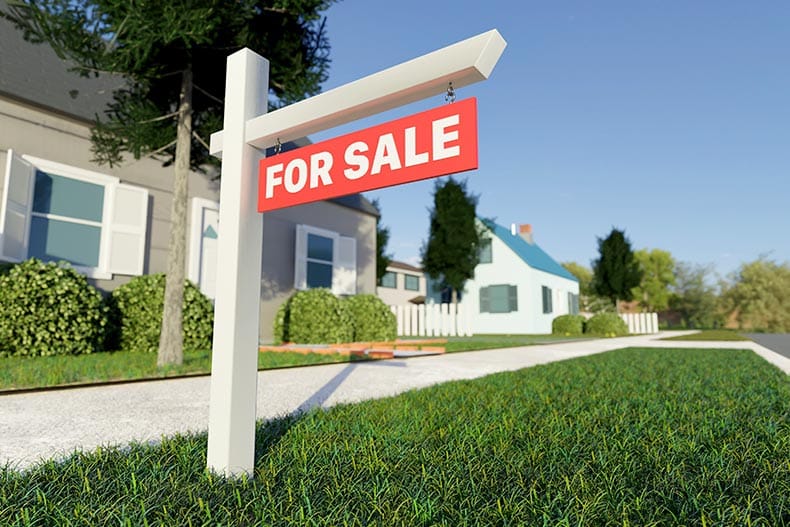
[(669, 119)]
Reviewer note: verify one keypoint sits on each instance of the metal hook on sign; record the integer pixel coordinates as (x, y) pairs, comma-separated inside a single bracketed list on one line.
[(278, 147), (450, 95)]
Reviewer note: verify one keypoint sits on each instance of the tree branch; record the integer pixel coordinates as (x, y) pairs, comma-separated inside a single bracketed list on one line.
[(201, 141), (207, 94)]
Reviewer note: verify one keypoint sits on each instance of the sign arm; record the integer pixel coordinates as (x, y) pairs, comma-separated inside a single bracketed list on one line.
[(464, 63)]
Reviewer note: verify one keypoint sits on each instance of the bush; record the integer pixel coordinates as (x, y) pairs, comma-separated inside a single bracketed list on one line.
[(568, 325), (140, 304), (606, 325), (49, 309), (371, 319), (315, 316)]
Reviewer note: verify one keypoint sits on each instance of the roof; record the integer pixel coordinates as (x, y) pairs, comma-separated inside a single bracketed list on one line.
[(35, 74), (530, 253), (403, 265)]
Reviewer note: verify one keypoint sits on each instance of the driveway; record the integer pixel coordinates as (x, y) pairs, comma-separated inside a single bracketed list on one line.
[(54, 423), (778, 342)]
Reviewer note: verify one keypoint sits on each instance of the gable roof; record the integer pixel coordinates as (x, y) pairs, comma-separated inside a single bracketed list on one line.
[(395, 264), (530, 253), (35, 74)]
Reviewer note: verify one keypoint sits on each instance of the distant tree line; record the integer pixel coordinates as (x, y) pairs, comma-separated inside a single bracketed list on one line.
[(755, 297)]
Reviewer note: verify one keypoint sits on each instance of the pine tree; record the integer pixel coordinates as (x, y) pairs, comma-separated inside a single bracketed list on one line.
[(616, 272), (171, 56), (452, 251)]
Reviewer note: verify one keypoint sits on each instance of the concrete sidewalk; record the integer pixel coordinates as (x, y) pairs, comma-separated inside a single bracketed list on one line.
[(53, 424)]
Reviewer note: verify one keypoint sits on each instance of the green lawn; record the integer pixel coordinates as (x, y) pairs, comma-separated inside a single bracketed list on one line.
[(723, 335), (481, 342), (628, 437), (36, 372)]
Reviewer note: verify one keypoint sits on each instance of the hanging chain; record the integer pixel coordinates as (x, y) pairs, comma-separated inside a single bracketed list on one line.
[(450, 95), (278, 147)]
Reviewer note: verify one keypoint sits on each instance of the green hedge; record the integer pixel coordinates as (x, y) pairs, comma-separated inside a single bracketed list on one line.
[(606, 325), (315, 316), (568, 325), (137, 310), (49, 309), (371, 319)]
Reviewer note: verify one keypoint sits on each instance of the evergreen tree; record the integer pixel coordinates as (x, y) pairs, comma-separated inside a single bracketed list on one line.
[(451, 253), (171, 56), (382, 238), (616, 272)]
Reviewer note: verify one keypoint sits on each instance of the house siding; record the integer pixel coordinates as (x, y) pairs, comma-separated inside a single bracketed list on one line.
[(399, 295), (27, 129), (279, 231), (507, 268)]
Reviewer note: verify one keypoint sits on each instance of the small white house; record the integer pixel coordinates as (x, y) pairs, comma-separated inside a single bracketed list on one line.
[(402, 284), (517, 287)]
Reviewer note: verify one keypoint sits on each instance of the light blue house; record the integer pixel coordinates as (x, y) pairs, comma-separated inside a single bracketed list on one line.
[(517, 288)]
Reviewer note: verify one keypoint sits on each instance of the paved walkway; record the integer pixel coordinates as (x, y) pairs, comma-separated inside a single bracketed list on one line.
[(51, 424)]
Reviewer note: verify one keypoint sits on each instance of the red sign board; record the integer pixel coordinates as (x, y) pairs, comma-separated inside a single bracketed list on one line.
[(429, 144)]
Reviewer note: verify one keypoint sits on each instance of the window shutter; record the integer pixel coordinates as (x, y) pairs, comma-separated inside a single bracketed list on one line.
[(485, 300), (512, 298), (344, 275), (127, 230), (16, 207), (300, 258)]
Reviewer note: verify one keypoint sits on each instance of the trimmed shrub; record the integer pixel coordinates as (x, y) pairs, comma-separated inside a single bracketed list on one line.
[(315, 316), (49, 309), (568, 325), (140, 304), (371, 318), (606, 325)]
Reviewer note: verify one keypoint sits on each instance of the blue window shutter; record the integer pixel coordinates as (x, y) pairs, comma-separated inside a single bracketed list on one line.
[(485, 300)]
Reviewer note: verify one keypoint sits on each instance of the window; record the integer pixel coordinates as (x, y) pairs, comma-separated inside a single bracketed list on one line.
[(389, 279), (412, 283), (547, 304), (485, 251), (499, 299), (54, 212), (573, 304), (325, 259)]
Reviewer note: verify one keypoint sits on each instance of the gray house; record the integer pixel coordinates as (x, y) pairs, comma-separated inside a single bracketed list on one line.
[(113, 223)]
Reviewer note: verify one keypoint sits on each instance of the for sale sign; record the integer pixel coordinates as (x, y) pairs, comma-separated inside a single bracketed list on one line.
[(429, 144)]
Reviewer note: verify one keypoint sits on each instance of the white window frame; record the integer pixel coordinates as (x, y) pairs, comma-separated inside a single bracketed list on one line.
[(110, 185), (199, 205), (339, 286)]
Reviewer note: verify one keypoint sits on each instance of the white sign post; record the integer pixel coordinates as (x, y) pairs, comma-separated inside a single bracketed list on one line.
[(247, 128)]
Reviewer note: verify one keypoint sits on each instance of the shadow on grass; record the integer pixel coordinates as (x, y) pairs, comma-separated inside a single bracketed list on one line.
[(269, 433)]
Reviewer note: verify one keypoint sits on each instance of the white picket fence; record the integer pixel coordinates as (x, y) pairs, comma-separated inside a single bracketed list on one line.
[(433, 320), (641, 323), (443, 320)]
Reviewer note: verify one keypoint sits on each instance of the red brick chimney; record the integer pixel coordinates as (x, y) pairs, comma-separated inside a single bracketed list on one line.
[(525, 231)]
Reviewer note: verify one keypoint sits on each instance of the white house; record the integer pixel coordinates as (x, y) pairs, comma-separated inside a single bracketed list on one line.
[(517, 287), (402, 284)]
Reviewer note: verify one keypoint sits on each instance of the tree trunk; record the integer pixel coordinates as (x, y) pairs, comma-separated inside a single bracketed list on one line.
[(171, 340)]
